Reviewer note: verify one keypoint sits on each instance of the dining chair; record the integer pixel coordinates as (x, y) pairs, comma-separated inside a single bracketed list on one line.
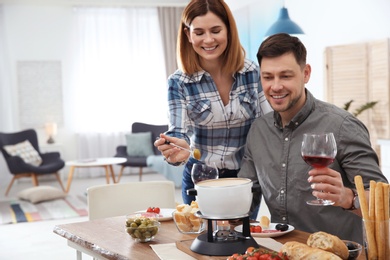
[(119, 199), (110, 200), (24, 159)]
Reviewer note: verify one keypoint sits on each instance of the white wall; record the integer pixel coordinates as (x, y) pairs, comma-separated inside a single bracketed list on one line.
[(325, 23), (42, 32), (343, 22), (39, 32)]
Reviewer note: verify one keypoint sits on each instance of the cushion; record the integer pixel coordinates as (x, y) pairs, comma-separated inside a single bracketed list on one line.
[(139, 144), (41, 193), (26, 151)]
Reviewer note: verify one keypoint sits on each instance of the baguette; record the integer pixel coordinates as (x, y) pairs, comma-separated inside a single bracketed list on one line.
[(369, 226), (299, 251), (386, 205), (371, 200), (380, 237), (328, 242)]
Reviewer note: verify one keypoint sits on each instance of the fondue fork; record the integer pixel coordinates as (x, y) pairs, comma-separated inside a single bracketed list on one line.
[(180, 147), (194, 153)]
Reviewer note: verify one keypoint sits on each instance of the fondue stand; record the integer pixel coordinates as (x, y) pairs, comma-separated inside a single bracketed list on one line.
[(223, 241)]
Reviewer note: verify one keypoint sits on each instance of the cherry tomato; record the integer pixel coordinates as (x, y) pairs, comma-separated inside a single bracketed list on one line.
[(283, 256), (253, 253), (258, 229), (255, 229), (257, 254), (265, 257), (153, 210), (250, 250)]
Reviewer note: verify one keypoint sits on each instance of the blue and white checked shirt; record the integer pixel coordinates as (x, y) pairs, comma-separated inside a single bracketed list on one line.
[(197, 113)]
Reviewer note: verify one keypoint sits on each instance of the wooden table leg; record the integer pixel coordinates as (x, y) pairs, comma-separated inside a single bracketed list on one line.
[(107, 168), (112, 174), (70, 177)]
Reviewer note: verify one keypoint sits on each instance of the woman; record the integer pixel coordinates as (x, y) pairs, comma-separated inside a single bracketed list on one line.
[(215, 95)]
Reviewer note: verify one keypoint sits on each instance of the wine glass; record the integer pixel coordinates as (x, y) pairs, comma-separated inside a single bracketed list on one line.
[(201, 171), (319, 151)]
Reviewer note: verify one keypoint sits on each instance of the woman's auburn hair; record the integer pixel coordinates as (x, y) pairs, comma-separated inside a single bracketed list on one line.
[(188, 59)]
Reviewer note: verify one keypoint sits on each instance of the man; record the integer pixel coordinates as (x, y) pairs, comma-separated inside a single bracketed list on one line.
[(273, 150)]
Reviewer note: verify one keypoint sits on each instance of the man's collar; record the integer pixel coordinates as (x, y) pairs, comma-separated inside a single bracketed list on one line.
[(305, 111)]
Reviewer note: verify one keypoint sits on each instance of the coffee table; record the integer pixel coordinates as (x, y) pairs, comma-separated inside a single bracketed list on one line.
[(106, 163)]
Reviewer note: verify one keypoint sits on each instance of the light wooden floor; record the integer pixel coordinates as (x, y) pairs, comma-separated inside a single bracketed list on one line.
[(36, 240)]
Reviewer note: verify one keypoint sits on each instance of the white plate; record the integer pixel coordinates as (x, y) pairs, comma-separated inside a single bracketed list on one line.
[(271, 227), (165, 214)]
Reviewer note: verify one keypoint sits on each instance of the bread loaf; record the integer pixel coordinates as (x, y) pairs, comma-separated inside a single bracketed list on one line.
[(182, 221), (328, 242), (185, 218), (299, 251)]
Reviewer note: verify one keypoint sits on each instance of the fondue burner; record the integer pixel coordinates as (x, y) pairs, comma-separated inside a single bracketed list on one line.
[(223, 241)]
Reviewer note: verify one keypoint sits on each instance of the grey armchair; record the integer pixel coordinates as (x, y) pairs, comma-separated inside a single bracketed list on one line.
[(139, 161), (51, 162)]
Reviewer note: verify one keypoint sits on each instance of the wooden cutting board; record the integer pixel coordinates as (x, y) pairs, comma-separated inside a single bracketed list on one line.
[(295, 235), (184, 245)]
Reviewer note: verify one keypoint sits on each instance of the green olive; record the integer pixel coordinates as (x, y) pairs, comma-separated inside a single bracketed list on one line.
[(142, 228)]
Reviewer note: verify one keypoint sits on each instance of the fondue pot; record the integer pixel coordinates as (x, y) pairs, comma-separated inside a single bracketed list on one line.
[(220, 200), (223, 198)]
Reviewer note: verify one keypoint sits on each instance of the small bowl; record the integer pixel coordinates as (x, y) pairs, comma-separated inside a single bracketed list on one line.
[(142, 227), (188, 223), (354, 248)]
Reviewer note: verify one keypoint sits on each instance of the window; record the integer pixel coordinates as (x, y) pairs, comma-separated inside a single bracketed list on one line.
[(118, 70)]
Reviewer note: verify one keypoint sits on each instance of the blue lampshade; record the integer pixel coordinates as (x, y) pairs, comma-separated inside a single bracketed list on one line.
[(284, 25)]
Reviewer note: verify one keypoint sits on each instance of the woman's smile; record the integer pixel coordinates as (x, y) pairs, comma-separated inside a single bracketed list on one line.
[(210, 48)]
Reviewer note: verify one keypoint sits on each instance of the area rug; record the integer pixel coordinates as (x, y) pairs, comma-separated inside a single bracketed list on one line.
[(18, 211)]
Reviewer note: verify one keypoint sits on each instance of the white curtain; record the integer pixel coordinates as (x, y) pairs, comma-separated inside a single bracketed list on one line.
[(169, 19), (118, 70), (118, 76)]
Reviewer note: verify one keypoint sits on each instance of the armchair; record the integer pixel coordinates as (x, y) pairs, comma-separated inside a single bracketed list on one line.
[(139, 161), (18, 162)]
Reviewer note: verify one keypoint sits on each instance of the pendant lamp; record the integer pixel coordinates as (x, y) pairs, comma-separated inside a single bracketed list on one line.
[(284, 25)]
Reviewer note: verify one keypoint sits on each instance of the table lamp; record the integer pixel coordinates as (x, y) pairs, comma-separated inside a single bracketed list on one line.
[(51, 131)]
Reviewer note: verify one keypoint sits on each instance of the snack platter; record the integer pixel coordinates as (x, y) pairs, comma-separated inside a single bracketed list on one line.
[(267, 232)]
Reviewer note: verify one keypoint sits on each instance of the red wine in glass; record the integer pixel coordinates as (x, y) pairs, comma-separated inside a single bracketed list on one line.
[(319, 151), (317, 161)]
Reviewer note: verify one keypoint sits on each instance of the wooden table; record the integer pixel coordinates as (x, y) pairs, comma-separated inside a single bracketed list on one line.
[(107, 239), (106, 163)]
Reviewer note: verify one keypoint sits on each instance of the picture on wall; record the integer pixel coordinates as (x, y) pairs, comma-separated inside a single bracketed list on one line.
[(40, 93)]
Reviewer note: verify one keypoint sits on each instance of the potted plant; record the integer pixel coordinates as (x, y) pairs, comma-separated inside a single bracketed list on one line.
[(360, 109)]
